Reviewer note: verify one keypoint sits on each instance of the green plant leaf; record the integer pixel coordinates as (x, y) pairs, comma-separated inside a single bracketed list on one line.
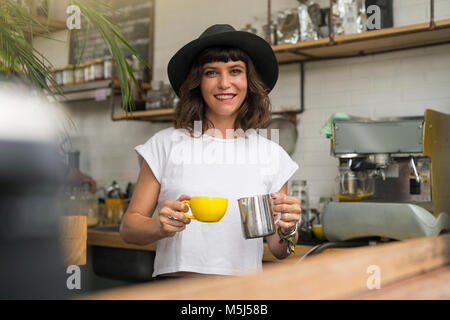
[(17, 56)]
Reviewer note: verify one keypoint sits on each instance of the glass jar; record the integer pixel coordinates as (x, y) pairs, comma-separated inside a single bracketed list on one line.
[(299, 189), (97, 70), (353, 185), (101, 212), (115, 209), (166, 96), (108, 68), (90, 205), (59, 76), (79, 73), (154, 95), (87, 72), (68, 75), (52, 75)]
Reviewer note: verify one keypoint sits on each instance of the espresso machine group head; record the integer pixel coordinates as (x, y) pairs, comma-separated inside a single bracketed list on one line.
[(382, 161), (391, 177)]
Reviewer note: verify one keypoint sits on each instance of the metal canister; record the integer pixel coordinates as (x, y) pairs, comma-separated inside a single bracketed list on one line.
[(79, 73), (87, 72), (68, 75), (108, 68), (97, 70), (59, 76), (256, 216)]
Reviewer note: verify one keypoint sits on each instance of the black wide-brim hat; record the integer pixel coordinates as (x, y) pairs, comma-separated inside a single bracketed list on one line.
[(256, 48)]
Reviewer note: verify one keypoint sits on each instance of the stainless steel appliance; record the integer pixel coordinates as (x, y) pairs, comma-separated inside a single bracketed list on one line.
[(256, 216), (393, 178)]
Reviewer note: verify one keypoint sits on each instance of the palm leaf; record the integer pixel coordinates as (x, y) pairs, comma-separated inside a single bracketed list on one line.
[(17, 55), (97, 14)]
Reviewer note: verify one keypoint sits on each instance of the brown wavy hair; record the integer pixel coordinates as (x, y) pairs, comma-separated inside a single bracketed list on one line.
[(254, 113)]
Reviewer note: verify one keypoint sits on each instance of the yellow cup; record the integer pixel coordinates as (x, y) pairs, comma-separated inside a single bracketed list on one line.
[(318, 231), (207, 209)]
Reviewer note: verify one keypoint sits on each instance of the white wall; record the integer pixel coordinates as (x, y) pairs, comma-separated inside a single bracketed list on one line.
[(395, 84), (56, 49)]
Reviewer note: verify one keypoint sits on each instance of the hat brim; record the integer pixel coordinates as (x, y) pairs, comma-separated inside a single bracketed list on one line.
[(258, 50)]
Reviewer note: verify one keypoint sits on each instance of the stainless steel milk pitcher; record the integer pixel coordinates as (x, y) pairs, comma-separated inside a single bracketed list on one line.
[(256, 216)]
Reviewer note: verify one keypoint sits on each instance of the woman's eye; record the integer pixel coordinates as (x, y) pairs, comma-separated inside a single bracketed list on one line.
[(210, 73), (236, 71)]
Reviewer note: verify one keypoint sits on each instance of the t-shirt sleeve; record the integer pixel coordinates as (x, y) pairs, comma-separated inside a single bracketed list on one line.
[(153, 152), (286, 167)]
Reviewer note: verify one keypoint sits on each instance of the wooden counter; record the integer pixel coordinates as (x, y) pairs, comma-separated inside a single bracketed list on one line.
[(113, 239), (412, 269)]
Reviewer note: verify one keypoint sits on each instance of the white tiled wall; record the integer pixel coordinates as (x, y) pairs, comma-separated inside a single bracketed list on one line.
[(395, 84), (403, 83)]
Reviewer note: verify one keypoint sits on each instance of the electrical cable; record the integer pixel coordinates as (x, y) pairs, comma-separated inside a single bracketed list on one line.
[(320, 247)]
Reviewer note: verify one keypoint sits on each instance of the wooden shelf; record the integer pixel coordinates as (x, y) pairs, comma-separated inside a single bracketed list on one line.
[(50, 24), (147, 115), (342, 46), (87, 91), (101, 84), (370, 42), (144, 85), (84, 91)]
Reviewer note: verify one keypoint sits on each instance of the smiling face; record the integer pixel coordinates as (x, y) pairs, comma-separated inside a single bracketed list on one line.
[(224, 88)]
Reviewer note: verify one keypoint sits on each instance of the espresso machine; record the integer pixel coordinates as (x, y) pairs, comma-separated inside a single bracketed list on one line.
[(393, 179)]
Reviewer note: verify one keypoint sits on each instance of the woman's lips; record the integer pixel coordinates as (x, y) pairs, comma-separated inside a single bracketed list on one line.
[(224, 97)]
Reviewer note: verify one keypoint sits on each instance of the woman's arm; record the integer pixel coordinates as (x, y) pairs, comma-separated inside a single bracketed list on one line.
[(138, 224), (290, 209)]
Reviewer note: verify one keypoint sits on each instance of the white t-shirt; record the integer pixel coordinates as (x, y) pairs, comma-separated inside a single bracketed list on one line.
[(210, 166)]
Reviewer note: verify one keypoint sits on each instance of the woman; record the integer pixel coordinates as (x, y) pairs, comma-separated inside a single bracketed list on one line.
[(223, 79)]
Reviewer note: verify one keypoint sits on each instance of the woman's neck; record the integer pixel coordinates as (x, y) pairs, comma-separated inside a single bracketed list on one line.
[(220, 127)]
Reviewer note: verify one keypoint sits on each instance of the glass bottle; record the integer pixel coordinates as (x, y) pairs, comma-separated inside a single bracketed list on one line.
[(74, 206), (71, 200), (299, 189), (90, 205)]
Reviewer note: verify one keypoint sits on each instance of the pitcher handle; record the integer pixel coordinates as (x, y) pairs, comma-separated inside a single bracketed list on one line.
[(278, 213)]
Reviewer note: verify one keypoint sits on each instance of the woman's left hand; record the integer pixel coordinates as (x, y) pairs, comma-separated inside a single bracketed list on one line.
[(289, 207)]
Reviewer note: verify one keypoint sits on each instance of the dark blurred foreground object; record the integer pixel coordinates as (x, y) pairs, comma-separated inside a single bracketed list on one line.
[(31, 174), (30, 253)]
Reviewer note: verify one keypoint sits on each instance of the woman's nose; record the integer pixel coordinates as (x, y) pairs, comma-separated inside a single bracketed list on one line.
[(224, 81)]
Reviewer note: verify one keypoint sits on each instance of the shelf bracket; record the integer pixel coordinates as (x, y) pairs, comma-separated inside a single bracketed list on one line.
[(330, 25), (432, 23), (112, 101), (302, 87)]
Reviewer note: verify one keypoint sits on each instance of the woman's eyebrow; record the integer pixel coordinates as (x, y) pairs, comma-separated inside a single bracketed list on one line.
[(230, 67), (211, 68), (237, 66)]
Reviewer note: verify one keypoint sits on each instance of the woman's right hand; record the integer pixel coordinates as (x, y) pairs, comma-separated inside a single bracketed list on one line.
[(172, 218)]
